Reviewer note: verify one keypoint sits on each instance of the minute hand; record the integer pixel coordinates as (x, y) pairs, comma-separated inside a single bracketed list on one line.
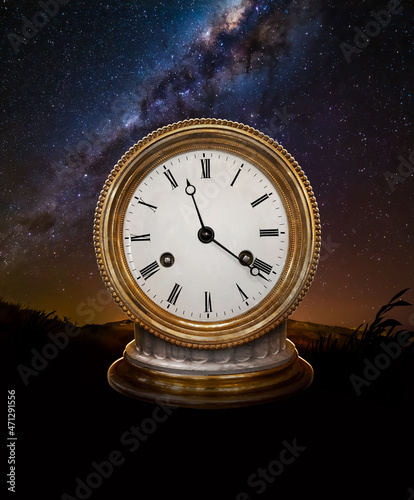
[(254, 271), (226, 249)]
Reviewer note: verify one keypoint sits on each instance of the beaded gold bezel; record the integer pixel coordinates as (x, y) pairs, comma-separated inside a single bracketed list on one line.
[(304, 245)]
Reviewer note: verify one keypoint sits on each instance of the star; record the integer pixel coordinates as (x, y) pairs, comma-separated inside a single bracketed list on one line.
[(97, 79)]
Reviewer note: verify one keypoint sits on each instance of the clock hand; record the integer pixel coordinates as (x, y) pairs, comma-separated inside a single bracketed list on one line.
[(206, 235), (191, 190), (226, 249), (254, 271)]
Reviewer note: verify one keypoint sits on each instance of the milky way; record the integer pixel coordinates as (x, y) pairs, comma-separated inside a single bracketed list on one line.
[(98, 77)]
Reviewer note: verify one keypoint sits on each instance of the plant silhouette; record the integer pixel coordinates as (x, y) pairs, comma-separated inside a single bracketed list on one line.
[(335, 361)]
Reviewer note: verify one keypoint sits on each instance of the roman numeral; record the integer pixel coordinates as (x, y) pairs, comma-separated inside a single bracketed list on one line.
[(141, 202), (235, 178), (205, 168), (170, 177), (243, 295), (141, 237), (269, 232), (262, 266), (172, 299), (150, 270), (207, 303), (260, 200)]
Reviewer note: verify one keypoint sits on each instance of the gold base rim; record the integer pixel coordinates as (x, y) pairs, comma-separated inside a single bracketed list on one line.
[(211, 391)]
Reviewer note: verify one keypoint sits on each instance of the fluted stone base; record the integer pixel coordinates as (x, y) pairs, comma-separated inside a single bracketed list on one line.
[(263, 370), (266, 352)]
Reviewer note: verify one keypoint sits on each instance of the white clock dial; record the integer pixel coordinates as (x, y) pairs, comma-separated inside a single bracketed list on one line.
[(206, 235)]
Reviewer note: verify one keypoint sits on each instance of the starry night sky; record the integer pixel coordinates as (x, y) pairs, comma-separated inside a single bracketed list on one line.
[(95, 77)]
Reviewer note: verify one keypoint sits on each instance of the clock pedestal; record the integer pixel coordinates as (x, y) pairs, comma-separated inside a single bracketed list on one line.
[(264, 370)]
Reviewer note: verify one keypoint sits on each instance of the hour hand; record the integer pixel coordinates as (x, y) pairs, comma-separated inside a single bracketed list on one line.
[(190, 189)]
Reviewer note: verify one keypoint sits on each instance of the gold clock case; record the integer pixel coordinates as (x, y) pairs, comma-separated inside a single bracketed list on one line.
[(297, 197)]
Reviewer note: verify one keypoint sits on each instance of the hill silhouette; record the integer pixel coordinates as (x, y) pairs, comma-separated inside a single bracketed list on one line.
[(25, 329), (334, 352), (69, 413)]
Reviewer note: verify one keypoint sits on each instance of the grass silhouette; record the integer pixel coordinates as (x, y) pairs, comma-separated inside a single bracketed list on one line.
[(334, 358), (334, 362), (26, 329)]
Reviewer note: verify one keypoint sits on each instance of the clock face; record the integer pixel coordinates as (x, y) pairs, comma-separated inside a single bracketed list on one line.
[(206, 235)]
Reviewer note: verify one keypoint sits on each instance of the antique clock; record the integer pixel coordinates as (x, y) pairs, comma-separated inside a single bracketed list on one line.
[(207, 235)]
